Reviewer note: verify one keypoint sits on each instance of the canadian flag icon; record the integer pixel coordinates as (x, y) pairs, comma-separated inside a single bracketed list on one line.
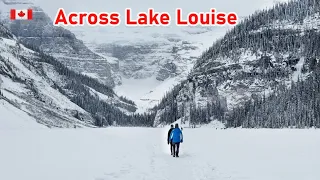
[(25, 14)]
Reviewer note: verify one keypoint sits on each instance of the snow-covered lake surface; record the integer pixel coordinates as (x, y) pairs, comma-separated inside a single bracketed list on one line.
[(142, 153)]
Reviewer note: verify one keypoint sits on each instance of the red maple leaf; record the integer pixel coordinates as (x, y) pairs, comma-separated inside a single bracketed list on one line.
[(21, 14)]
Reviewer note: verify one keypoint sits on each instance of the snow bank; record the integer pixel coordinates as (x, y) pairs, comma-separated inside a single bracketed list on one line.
[(13, 118)]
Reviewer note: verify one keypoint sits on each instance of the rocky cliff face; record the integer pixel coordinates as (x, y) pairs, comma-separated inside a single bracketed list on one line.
[(56, 41)]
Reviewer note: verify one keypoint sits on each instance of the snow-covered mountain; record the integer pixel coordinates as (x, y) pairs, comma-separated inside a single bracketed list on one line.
[(56, 41), (37, 85), (149, 62), (262, 55), (25, 89), (141, 62)]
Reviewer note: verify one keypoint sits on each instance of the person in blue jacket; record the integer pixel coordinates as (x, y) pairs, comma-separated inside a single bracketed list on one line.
[(176, 138)]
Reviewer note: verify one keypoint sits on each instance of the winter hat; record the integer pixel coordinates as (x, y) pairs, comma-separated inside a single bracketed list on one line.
[(177, 126)]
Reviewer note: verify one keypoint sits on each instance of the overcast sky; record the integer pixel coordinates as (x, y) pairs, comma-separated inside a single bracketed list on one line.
[(89, 33), (241, 7)]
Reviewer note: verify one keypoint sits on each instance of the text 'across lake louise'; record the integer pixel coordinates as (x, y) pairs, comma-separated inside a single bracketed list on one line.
[(149, 18)]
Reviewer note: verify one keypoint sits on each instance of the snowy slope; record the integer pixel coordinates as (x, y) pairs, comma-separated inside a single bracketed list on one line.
[(51, 93), (142, 153), (24, 86), (14, 118)]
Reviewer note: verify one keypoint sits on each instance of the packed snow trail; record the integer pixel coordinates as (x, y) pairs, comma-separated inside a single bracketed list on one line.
[(143, 154), (153, 162)]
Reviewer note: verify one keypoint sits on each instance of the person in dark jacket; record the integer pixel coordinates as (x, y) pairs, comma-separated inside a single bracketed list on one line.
[(168, 139), (176, 138)]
